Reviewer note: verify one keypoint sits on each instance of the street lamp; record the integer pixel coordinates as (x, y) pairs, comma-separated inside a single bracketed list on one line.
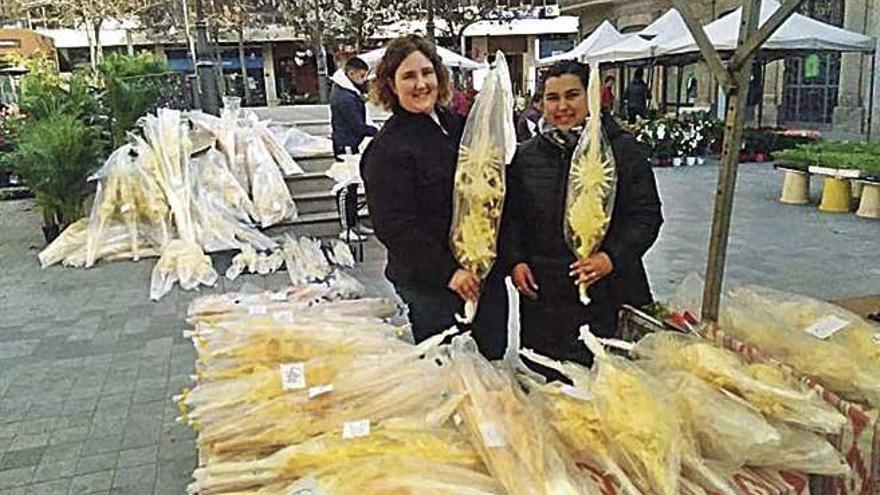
[(205, 65), (429, 26)]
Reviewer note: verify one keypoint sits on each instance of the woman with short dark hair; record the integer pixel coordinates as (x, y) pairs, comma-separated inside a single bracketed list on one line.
[(543, 268), (408, 170)]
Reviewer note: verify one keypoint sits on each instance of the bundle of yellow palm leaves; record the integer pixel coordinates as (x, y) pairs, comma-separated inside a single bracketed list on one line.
[(592, 182)]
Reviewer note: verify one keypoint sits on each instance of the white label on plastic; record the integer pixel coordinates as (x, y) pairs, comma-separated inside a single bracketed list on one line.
[(576, 393), (257, 310), (124, 208), (356, 429), (826, 327), (320, 390), (456, 419), (276, 206), (283, 316), (279, 296), (304, 486), (493, 434), (876, 338), (293, 376)]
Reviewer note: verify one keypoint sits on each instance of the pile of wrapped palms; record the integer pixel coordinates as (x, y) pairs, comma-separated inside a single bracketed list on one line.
[(307, 390), (191, 184)]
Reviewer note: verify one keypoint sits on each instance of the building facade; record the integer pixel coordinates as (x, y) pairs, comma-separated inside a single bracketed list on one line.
[(824, 91)]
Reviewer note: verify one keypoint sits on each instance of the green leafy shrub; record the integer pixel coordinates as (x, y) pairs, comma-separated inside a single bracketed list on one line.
[(132, 87), (54, 156)]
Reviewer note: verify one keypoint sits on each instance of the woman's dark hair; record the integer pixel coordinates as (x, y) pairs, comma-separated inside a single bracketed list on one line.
[(564, 67), (396, 51), (640, 73)]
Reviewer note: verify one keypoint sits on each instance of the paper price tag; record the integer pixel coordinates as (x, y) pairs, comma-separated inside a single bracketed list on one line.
[(125, 208), (257, 310), (320, 390), (304, 486), (283, 316), (456, 419), (356, 429), (279, 296), (293, 376), (493, 434), (876, 338), (826, 327)]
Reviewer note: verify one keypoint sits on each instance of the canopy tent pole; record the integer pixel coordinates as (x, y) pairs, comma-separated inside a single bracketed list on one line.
[(735, 81), (763, 81), (871, 95), (679, 70)]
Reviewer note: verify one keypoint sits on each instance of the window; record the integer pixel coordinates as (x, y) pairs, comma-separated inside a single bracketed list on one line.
[(811, 81)]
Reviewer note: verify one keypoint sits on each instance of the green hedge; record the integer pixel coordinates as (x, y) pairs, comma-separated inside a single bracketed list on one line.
[(839, 155)]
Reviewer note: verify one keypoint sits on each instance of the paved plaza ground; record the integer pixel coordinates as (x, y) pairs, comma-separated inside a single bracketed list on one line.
[(88, 365)]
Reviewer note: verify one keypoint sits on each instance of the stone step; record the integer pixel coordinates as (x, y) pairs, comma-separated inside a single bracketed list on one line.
[(320, 163), (308, 182), (318, 202), (323, 224)]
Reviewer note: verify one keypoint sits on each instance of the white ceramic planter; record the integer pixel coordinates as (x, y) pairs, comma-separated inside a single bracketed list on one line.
[(676, 162), (691, 161)]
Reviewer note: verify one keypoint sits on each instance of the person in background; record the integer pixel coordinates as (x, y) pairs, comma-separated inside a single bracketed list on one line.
[(636, 97), (608, 95), (461, 104), (348, 112), (409, 171), (527, 125), (533, 245)]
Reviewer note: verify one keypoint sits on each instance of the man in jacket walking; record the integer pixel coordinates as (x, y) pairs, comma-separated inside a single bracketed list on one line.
[(348, 120), (348, 113)]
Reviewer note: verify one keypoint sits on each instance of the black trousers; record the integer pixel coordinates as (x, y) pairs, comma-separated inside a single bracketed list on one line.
[(433, 311), (551, 328)]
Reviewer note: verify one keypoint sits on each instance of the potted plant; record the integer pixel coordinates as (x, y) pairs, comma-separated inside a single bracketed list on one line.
[(132, 85), (54, 157)]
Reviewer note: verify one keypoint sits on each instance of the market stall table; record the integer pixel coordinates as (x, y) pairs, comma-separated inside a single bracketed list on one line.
[(869, 205), (837, 191)]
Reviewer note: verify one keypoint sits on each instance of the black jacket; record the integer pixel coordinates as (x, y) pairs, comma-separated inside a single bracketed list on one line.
[(532, 229), (348, 120), (637, 95), (408, 171)]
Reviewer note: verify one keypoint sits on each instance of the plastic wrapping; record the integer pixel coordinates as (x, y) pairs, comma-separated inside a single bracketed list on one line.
[(640, 424), (763, 386), (592, 183), (802, 451), (374, 389), (725, 428), (332, 453), (305, 260), (285, 162), (300, 144), (494, 413), (271, 197), (487, 145)]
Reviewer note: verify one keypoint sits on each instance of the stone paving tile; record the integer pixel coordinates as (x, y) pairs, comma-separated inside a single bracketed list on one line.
[(58, 486), (55, 469), (12, 478), (21, 458), (85, 484)]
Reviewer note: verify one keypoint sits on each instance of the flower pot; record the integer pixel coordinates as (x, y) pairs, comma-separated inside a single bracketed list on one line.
[(691, 161), (676, 162), (760, 157), (662, 161), (701, 160), (51, 233)]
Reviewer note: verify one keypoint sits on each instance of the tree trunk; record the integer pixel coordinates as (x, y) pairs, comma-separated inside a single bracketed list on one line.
[(218, 62), (99, 50), (320, 56), (129, 43), (242, 60)]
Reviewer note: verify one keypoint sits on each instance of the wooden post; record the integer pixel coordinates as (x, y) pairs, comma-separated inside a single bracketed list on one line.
[(735, 81)]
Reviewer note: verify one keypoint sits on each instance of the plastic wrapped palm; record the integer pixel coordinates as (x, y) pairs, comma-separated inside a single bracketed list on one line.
[(487, 146), (592, 182)]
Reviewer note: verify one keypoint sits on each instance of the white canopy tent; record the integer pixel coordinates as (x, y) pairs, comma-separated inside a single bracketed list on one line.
[(799, 32), (450, 59), (644, 43), (604, 35)]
